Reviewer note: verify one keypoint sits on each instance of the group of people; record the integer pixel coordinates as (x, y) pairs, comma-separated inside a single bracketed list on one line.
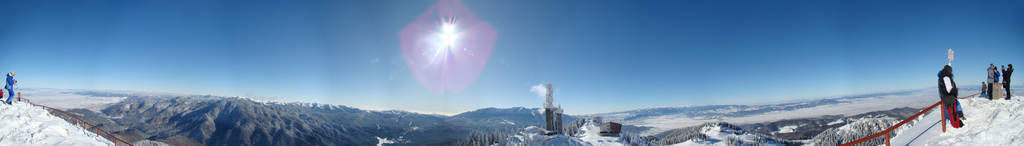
[(993, 79), (8, 89), (949, 93)]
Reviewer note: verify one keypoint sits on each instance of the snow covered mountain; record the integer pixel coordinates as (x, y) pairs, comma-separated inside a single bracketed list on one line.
[(228, 121), (213, 120), (24, 124), (516, 116), (665, 118), (855, 130)]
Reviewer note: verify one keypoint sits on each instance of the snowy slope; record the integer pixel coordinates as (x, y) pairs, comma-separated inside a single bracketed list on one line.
[(923, 126), (989, 122), (23, 124), (665, 118)]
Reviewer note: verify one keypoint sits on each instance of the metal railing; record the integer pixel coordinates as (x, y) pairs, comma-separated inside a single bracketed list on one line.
[(888, 132), (79, 122)]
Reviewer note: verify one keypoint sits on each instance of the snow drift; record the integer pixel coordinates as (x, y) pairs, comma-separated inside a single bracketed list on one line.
[(989, 122), (24, 124)]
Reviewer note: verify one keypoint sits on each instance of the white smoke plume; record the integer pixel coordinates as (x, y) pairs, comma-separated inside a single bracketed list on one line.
[(540, 90), (543, 91)]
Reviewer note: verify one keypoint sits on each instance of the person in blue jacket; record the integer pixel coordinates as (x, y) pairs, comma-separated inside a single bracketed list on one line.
[(10, 87), (995, 71)]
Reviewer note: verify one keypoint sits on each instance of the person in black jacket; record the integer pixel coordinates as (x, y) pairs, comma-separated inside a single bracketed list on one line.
[(1006, 80), (948, 94)]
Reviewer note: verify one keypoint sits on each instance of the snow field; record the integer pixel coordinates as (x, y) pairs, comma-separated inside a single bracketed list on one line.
[(988, 122), (24, 124)]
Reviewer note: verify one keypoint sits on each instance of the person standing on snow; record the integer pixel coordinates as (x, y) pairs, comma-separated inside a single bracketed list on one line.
[(10, 87), (1006, 80), (991, 79), (948, 94), (984, 90)]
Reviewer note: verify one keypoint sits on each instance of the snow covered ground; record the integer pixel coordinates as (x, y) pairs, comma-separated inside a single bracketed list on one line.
[(23, 124), (382, 141), (718, 134), (834, 106), (989, 122), (838, 121), (589, 135), (788, 129)]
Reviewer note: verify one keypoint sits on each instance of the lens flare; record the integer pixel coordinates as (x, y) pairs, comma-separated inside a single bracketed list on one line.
[(447, 47)]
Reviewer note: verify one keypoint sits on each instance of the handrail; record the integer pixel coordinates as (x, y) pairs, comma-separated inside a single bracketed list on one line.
[(85, 125), (887, 131)]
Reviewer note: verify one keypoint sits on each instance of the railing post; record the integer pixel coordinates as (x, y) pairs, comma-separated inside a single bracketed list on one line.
[(943, 116), (887, 139)]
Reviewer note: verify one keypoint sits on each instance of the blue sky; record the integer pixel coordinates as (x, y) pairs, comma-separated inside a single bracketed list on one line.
[(601, 56)]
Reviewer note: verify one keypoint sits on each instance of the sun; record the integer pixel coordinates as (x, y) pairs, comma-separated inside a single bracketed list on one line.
[(448, 35), (447, 47)]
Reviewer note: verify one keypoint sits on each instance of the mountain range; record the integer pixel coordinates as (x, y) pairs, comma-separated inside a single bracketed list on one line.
[(216, 120)]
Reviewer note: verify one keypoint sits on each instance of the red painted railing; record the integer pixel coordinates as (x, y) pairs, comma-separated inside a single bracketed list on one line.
[(888, 131), (85, 125)]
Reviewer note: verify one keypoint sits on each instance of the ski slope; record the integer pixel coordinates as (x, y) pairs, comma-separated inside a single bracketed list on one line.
[(24, 124), (989, 122)]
